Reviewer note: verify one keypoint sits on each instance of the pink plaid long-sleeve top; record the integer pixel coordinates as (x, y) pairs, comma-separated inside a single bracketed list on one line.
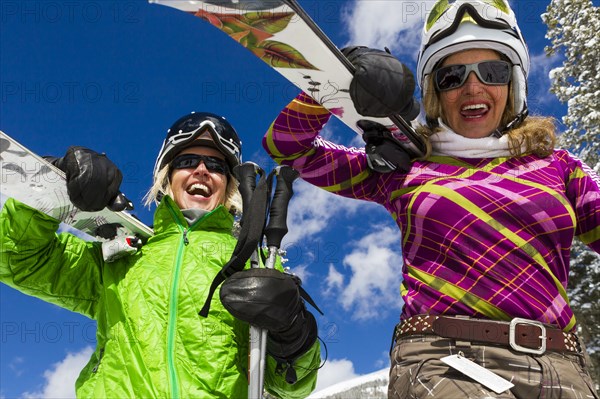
[(487, 238)]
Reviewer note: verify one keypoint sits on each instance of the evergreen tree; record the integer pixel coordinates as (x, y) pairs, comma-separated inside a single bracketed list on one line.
[(573, 27)]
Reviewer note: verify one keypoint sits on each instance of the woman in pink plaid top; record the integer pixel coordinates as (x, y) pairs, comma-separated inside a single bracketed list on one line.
[(487, 217)]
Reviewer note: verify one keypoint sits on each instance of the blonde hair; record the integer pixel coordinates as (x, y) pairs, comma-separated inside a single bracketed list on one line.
[(162, 186), (536, 134)]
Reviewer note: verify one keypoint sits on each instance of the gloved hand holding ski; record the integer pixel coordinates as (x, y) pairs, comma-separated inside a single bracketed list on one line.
[(381, 85), (93, 180)]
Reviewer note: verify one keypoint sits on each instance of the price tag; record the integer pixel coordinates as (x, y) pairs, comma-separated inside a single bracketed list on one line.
[(480, 374)]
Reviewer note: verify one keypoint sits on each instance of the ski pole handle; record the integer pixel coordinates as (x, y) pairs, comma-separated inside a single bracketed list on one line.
[(246, 175), (277, 226)]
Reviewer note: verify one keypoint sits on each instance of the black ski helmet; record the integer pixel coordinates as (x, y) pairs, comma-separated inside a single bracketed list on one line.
[(189, 129)]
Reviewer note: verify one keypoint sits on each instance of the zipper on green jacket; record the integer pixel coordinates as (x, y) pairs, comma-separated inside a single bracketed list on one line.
[(100, 354), (173, 301)]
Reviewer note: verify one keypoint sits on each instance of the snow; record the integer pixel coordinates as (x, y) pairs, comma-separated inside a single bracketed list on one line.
[(375, 384)]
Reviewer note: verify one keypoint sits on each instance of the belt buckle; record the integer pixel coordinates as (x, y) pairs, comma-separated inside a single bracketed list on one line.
[(513, 330)]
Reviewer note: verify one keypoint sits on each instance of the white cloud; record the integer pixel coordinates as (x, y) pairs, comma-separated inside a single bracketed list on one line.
[(375, 268), (312, 209), (60, 377), (334, 280), (17, 365), (383, 23), (302, 272), (335, 371), (539, 80)]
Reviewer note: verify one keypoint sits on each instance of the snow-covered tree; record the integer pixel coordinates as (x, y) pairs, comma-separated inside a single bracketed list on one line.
[(573, 27)]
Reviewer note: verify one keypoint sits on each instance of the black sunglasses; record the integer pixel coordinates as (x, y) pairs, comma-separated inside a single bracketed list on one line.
[(489, 72), (213, 164)]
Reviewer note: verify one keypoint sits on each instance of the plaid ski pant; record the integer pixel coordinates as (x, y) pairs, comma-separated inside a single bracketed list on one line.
[(417, 372)]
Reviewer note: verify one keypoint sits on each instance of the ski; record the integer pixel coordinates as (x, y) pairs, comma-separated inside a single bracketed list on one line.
[(283, 35), (32, 180)]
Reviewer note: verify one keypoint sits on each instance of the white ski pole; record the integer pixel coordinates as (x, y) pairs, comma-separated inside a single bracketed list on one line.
[(246, 175), (275, 230)]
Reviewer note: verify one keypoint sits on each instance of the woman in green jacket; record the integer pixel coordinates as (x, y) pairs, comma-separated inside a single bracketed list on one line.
[(151, 342)]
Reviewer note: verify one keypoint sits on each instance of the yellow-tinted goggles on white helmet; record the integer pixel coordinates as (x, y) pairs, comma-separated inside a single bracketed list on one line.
[(446, 15)]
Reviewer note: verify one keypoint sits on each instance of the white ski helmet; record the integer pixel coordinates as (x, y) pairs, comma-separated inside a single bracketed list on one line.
[(453, 26)]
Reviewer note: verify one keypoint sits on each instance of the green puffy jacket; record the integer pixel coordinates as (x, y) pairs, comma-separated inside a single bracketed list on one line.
[(151, 343)]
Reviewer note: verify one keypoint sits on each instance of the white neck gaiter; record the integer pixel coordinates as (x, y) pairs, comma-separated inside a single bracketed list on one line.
[(449, 143)]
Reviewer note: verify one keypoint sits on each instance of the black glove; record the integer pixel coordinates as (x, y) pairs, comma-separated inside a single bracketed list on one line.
[(384, 154), (382, 85), (93, 180), (270, 299)]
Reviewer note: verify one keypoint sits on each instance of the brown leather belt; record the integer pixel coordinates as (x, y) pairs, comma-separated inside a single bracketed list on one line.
[(522, 335)]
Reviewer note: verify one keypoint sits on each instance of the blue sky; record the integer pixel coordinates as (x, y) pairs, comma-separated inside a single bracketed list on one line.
[(114, 75)]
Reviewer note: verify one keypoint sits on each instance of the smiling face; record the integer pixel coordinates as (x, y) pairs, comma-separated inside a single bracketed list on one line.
[(198, 187), (475, 109)]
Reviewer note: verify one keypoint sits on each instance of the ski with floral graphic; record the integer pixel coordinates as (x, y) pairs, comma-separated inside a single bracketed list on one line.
[(283, 35)]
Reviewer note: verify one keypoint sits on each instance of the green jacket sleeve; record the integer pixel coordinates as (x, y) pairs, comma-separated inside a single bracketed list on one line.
[(58, 268), (306, 368)]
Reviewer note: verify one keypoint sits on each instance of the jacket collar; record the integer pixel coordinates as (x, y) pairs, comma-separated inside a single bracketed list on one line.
[(168, 216)]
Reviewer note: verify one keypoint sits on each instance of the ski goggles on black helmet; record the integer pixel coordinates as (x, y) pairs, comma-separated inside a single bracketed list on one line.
[(200, 128), (494, 72)]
